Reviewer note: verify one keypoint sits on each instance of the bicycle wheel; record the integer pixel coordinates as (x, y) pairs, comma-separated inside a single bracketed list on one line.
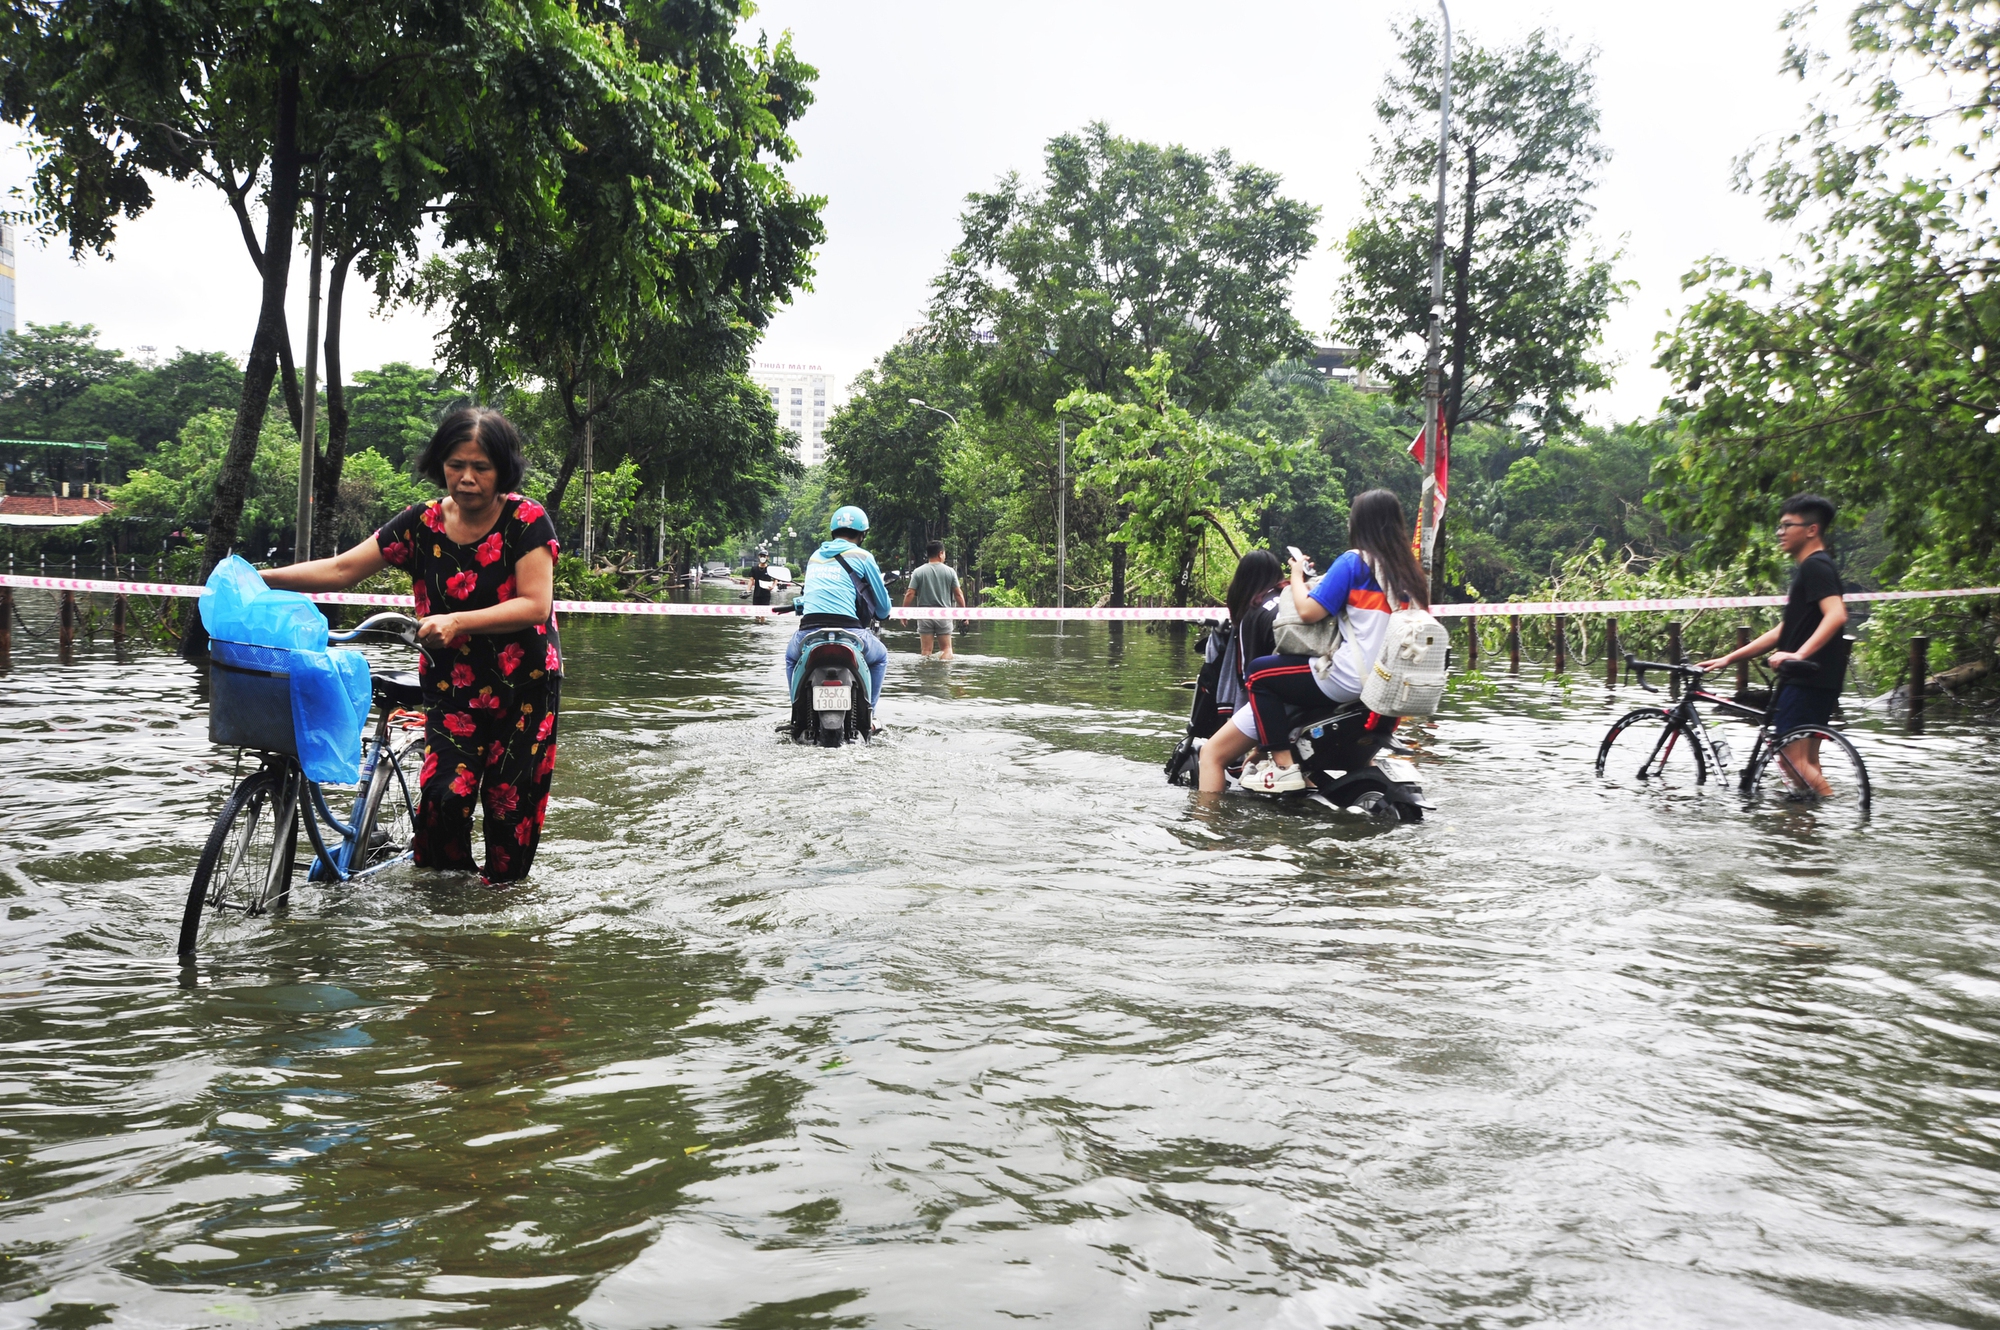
[(246, 867), (388, 815), (1780, 779), (1654, 748)]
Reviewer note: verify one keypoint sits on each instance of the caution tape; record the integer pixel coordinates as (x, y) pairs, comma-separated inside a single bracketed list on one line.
[(1068, 614)]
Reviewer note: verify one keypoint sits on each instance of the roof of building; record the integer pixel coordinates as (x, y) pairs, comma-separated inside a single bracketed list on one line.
[(48, 510)]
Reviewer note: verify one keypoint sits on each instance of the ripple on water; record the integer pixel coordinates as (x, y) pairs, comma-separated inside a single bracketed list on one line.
[(983, 1022)]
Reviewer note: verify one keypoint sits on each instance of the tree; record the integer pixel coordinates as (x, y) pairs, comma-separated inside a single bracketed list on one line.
[(1527, 299), (466, 112), (890, 457), (1866, 370), (678, 234), (394, 410), (1126, 250), (1164, 463)]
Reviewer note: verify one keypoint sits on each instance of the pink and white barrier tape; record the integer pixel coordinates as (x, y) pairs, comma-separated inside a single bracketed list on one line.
[(700, 609)]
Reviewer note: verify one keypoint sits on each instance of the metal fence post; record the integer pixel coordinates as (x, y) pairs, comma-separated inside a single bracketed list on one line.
[(1743, 666), (1920, 674), (1562, 647), (1674, 653), (1514, 644), (1611, 652)]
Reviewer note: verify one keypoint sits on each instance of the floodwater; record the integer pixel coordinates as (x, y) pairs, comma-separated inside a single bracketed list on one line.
[(983, 1024)]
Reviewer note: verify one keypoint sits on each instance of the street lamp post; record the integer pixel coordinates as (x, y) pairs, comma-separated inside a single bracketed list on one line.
[(1427, 503)]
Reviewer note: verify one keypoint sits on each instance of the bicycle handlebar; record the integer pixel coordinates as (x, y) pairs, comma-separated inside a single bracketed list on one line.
[(400, 625)]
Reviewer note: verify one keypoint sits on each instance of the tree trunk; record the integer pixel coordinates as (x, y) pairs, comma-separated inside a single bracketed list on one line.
[(232, 484), (294, 404), (326, 477), (1118, 553)]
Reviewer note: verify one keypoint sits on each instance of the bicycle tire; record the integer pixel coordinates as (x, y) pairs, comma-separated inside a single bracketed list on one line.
[(235, 848), (1639, 736), (1842, 766), (391, 789)]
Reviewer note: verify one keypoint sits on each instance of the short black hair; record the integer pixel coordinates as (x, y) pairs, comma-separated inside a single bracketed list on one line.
[(1811, 507), (932, 550), (847, 533), (493, 432)]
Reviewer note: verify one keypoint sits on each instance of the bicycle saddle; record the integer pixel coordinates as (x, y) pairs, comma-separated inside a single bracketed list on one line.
[(400, 688)]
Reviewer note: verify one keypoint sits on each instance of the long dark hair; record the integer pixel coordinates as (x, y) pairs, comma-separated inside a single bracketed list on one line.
[(1256, 572), (1375, 526)]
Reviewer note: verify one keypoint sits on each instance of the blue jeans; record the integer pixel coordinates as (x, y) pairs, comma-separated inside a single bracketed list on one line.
[(872, 651)]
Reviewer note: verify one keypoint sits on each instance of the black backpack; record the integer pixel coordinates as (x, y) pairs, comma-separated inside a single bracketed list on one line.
[(864, 596)]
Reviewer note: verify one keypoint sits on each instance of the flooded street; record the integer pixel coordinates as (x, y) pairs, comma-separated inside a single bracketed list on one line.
[(984, 1024)]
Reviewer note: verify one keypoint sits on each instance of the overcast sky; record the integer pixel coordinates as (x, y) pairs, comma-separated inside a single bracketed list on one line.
[(920, 103)]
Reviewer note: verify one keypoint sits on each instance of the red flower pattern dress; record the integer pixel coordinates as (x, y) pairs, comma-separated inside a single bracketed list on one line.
[(491, 701)]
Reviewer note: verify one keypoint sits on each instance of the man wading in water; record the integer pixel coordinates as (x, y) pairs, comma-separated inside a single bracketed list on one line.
[(482, 563), (1810, 631)]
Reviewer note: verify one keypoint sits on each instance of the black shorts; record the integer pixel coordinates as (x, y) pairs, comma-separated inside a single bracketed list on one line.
[(1802, 708)]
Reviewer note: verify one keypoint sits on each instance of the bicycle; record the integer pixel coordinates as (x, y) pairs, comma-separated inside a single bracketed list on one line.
[(247, 865), (1670, 747)]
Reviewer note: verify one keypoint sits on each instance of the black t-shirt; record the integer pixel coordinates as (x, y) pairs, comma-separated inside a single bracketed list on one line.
[(1814, 578), (761, 578)]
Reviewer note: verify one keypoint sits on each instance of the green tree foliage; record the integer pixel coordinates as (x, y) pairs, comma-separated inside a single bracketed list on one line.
[(1863, 369), (394, 410), (1526, 297), (671, 241), (1165, 465), (1124, 250), (892, 457)]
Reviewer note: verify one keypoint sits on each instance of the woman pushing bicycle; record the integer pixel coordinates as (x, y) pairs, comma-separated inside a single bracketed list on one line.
[(482, 564)]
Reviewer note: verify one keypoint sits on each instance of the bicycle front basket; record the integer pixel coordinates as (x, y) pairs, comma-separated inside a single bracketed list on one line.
[(250, 698)]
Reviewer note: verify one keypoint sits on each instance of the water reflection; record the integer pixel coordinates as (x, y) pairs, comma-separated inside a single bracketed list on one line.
[(982, 1022)]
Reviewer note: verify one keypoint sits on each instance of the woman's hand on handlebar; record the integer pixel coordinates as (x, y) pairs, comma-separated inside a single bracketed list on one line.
[(441, 630), (1711, 666)]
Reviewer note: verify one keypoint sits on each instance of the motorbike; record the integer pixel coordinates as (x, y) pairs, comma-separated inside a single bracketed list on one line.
[(1349, 754), (830, 688)]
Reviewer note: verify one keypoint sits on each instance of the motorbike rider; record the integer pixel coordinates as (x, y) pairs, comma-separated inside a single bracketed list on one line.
[(1364, 586), (1253, 604), (829, 597)]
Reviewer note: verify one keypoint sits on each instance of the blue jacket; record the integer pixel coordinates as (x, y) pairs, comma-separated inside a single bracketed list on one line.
[(827, 589)]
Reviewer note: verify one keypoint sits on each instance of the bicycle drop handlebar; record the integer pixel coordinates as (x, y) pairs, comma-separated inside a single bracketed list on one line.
[(1639, 667)]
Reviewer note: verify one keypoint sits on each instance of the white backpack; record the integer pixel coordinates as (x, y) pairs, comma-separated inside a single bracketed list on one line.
[(1408, 677)]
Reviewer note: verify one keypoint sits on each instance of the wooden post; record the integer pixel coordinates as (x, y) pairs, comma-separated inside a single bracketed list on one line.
[(1920, 674), (66, 615), (1562, 647), (1471, 642), (118, 619), (1513, 644), (1674, 654), (1743, 666), (6, 620), (1611, 652)]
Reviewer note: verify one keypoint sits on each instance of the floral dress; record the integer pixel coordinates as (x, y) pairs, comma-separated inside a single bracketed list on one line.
[(491, 701)]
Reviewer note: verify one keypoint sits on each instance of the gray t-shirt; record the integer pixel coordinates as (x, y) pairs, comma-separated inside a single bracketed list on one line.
[(935, 585)]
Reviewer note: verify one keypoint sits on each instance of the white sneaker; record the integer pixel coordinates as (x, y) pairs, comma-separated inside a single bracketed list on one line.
[(1274, 779), (1250, 770)]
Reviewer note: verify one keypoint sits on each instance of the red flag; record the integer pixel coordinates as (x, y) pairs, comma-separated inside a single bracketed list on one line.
[(1417, 451)]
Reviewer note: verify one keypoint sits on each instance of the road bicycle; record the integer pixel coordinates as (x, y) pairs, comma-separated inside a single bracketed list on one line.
[(246, 868), (1674, 747)]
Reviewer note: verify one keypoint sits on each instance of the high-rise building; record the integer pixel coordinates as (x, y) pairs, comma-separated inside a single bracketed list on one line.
[(799, 394), (6, 279)]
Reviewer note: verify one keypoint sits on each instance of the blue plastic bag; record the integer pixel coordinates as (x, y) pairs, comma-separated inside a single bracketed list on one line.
[(236, 606), (256, 627)]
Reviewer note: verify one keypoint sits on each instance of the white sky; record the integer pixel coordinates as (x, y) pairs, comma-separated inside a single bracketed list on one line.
[(920, 103)]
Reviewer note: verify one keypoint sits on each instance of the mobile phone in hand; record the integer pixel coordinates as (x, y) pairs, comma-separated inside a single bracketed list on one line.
[(1298, 556)]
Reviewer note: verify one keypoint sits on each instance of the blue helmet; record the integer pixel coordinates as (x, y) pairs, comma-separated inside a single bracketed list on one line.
[(849, 518)]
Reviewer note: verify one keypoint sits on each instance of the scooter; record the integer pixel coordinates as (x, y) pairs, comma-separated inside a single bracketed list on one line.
[(1348, 754), (830, 688)]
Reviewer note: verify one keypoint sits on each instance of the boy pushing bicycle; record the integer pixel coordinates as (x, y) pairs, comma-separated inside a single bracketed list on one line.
[(1809, 634)]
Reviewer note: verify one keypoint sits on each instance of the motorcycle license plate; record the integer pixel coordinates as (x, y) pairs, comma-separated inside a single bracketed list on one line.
[(1400, 770), (831, 696)]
